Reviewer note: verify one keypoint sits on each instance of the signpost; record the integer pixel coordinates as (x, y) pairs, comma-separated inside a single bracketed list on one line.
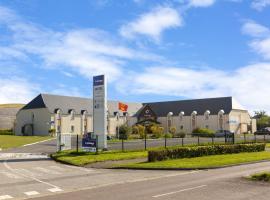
[(89, 144), (100, 110)]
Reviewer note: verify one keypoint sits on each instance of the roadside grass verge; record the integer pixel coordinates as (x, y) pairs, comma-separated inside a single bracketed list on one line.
[(201, 162), (11, 141), (263, 176), (82, 158)]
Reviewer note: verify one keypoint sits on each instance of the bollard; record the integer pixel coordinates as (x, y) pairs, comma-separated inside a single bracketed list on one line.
[(96, 144), (122, 144), (182, 142), (165, 141), (77, 143), (198, 140), (145, 142)]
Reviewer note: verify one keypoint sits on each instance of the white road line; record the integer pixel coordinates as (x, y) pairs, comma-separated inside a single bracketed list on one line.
[(37, 142), (183, 190), (56, 189), (30, 177), (5, 197), (31, 193), (81, 168)]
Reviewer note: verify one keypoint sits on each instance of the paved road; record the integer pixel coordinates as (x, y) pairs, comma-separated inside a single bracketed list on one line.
[(49, 147), (46, 179), (46, 147)]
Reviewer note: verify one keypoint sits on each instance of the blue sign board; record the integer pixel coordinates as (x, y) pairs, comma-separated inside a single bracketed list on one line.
[(98, 80), (89, 144)]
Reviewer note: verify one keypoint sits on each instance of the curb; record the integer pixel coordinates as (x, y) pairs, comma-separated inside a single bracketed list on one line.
[(196, 168)]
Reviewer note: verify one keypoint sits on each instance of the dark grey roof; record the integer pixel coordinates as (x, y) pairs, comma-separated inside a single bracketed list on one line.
[(65, 103), (188, 106)]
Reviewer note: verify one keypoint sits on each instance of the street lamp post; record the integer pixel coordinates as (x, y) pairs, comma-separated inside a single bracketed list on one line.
[(116, 114), (169, 115)]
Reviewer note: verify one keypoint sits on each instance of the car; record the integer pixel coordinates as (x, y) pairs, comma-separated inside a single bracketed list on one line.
[(223, 133), (109, 137), (263, 131)]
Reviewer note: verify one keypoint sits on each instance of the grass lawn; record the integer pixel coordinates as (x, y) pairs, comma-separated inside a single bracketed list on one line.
[(204, 162), (263, 176), (9, 141), (83, 158)]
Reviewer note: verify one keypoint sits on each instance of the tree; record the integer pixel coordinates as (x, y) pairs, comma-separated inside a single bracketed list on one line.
[(124, 132), (263, 120), (260, 114)]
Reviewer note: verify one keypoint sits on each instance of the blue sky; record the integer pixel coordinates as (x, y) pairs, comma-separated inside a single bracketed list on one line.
[(149, 50)]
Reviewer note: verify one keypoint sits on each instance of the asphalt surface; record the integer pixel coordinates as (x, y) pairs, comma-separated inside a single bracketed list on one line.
[(27, 172), (49, 147), (45, 179)]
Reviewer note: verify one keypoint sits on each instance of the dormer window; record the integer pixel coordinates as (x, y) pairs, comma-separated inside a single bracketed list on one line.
[(206, 115), (72, 114), (181, 115), (221, 119)]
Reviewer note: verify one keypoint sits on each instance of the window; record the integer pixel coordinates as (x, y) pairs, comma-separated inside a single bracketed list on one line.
[(193, 120), (221, 119), (72, 115), (72, 129), (206, 115), (207, 126), (181, 115), (182, 127)]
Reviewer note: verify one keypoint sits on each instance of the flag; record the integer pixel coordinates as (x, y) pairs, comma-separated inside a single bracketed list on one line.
[(123, 107)]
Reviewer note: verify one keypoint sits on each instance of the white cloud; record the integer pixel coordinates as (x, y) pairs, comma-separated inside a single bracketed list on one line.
[(201, 3), (16, 90), (262, 47), (260, 4), (261, 38), (248, 84), (85, 51), (153, 23), (254, 29)]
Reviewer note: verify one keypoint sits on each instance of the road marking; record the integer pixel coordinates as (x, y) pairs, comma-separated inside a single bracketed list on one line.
[(183, 190), (5, 197), (30, 177), (37, 142), (56, 189), (31, 193), (80, 168)]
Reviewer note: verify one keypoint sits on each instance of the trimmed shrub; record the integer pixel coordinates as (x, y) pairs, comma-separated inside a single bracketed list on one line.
[(203, 132), (134, 136), (172, 130), (168, 135), (189, 152), (141, 130), (6, 132), (135, 130), (181, 134), (157, 131)]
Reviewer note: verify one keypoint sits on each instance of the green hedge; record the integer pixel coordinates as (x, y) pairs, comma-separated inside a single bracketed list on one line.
[(6, 132), (203, 132), (189, 152)]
